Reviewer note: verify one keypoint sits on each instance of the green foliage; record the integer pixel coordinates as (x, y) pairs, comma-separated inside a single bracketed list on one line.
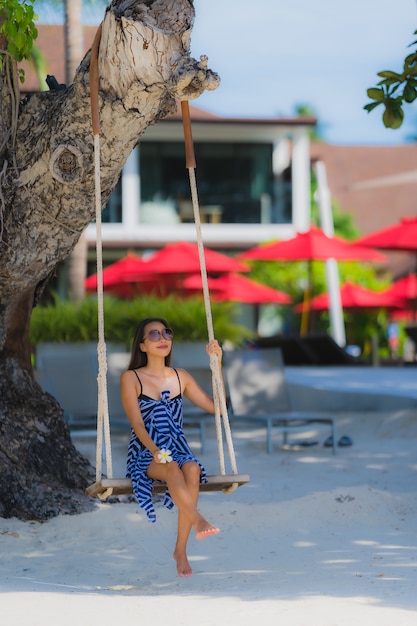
[(38, 62), (18, 28), (344, 225), (65, 321), (306, 110), (292, 278), (394, 90)]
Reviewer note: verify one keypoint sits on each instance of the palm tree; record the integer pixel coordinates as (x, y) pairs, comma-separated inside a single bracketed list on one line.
[(73, 30)]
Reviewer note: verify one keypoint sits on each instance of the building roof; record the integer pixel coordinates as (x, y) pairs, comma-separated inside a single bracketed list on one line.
[(376, 184), (200, 115), (50, 42)]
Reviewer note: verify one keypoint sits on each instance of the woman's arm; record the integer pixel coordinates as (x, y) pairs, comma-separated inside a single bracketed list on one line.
[(129, 392), (192, 389)]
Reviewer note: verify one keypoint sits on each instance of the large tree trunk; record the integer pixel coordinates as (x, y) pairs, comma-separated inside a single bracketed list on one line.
[(47, 199)]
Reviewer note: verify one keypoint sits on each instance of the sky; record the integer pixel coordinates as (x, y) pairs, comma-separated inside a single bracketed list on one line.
[(273, 55)]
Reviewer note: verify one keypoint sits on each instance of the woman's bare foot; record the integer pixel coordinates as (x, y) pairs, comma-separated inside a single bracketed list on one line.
[(183, 566), (203, 529)]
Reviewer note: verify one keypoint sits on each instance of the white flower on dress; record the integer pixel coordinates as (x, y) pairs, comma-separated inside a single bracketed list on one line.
[(164, 456)]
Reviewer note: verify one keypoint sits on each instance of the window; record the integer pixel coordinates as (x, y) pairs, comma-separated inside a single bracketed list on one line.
[(112, 212), (235, 183)]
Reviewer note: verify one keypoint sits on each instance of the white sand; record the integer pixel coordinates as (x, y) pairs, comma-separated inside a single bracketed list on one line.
[(313, 540)]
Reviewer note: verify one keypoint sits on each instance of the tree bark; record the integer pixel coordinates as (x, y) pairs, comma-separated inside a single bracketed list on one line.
[(47, 200)]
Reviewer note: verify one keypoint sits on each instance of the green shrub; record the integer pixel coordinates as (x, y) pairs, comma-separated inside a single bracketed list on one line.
[(64, 321)]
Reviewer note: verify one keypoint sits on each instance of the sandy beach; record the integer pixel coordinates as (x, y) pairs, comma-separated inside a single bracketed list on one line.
[(314, 539)]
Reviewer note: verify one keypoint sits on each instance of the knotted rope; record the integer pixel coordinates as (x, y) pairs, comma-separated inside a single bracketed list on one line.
[(103, 420), (220, 408)]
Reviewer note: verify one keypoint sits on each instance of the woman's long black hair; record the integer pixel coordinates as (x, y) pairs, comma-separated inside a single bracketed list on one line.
[(137, 357)]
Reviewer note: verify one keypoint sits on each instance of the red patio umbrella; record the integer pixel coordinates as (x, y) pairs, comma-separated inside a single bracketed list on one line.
[(130, 269), (403, 289), (403, 294), (183, 258), (236, 288), (313, 245), (399, 236), (352, 297), (162, 272)]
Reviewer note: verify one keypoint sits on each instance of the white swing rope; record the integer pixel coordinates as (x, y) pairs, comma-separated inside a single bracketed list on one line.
[(103, 419), (220, 408)]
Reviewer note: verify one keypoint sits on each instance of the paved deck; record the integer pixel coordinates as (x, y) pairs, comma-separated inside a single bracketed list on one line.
[(353, 387)]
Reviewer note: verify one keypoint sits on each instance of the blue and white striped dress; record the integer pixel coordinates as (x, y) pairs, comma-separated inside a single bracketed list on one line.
[(163, 421)]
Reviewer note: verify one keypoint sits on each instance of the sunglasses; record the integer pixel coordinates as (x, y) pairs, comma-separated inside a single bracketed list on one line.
[(156, 335)]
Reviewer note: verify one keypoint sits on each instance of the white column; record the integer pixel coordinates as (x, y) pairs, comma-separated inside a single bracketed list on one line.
[(131, 191), (281, 160), (281, 156), (332, 270), (300, 173)]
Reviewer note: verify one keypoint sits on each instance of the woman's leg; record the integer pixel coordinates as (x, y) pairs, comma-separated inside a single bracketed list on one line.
[(191, 472), (183, 487)]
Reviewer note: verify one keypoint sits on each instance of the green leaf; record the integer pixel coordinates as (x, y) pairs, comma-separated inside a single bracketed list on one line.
[(409, 93), (371, 106), (393, 117), (9, 29), (390, 74), (18, 13), (19, 29), (376, 94), (390, 82), (410, 60)]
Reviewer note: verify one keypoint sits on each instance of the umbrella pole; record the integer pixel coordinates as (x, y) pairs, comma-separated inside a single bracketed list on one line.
[(305, 315), (414, 303)]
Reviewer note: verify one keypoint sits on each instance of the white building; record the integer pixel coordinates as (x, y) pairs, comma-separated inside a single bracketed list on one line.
[(253, 178)]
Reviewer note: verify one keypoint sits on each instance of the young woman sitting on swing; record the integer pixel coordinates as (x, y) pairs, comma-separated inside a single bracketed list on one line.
[(151, 393)]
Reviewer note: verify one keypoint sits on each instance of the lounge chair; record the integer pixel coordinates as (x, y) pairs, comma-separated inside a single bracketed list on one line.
[(258, 393), (69, 373), (311, 349), (193, 357)]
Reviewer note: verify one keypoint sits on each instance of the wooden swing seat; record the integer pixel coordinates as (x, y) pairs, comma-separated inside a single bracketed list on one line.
[(123, 486)]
